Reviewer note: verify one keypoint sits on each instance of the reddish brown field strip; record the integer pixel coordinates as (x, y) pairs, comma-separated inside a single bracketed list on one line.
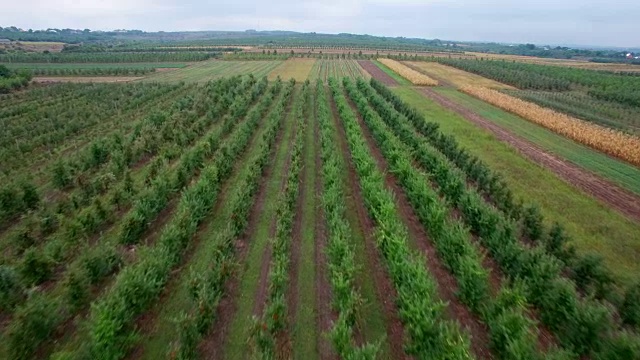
[(377, 73)]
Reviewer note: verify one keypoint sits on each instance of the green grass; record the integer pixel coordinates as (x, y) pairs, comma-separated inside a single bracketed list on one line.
[(304, 334), (393, 74), (238, 330), (616, 171), (95, 66), (215, 69), (593, 226)]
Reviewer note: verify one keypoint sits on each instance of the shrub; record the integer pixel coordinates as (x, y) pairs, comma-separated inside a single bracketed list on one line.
[(630, 309), (590, 274), (30, 197), (10, 287), (35, 267), (48, 223), (100, 263), (532, 223), (555, 244), (36, 320), (61, 175), (77, 288)]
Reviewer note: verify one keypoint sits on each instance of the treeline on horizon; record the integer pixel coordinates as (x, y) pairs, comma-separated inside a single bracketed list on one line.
[(124, 40)]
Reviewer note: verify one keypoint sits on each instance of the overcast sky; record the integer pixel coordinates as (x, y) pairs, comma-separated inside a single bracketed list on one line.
[(577, 22)]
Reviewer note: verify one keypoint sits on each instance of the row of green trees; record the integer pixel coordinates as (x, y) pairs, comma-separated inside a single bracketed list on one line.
[(96, 171), (114, 71), (429, 334), (139, 47), (340, 251), (69, 115), (584, 326), (208, 288), (272, 324), (81, 275), (137, 286), (512, 333), (509, 73), (123, 57), (158, 194), (97, 182), (19, 197)]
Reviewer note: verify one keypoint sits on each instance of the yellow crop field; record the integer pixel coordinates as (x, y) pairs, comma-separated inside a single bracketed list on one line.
[(615, 143), (408, 73), (296, 68), (457, 77)]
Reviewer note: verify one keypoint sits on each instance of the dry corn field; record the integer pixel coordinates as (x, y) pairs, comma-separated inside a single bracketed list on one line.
[(408, 73), (615, 143)]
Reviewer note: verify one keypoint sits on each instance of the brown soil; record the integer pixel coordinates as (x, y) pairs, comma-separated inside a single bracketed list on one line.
[(325, 316), (447, 285), (377, 73), (212, 346), (603, 190), (385, 291)]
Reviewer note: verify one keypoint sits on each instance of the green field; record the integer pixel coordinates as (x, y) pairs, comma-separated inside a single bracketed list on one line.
[(593, 226), (211, 70), (619, 172), (324, 69)]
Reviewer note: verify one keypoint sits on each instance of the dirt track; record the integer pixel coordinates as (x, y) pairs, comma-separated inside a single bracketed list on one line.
[(603, 190), (377, 73)]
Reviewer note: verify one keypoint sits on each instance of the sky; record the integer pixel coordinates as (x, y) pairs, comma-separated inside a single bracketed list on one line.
[(557, 22)]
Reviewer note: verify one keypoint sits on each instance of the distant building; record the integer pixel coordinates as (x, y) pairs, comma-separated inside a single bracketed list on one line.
[(5, 41), (629, 56)]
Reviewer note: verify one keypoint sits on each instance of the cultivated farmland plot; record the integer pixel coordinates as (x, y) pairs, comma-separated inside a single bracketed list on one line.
[(210, 70), (324, 69), (204, 214)]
